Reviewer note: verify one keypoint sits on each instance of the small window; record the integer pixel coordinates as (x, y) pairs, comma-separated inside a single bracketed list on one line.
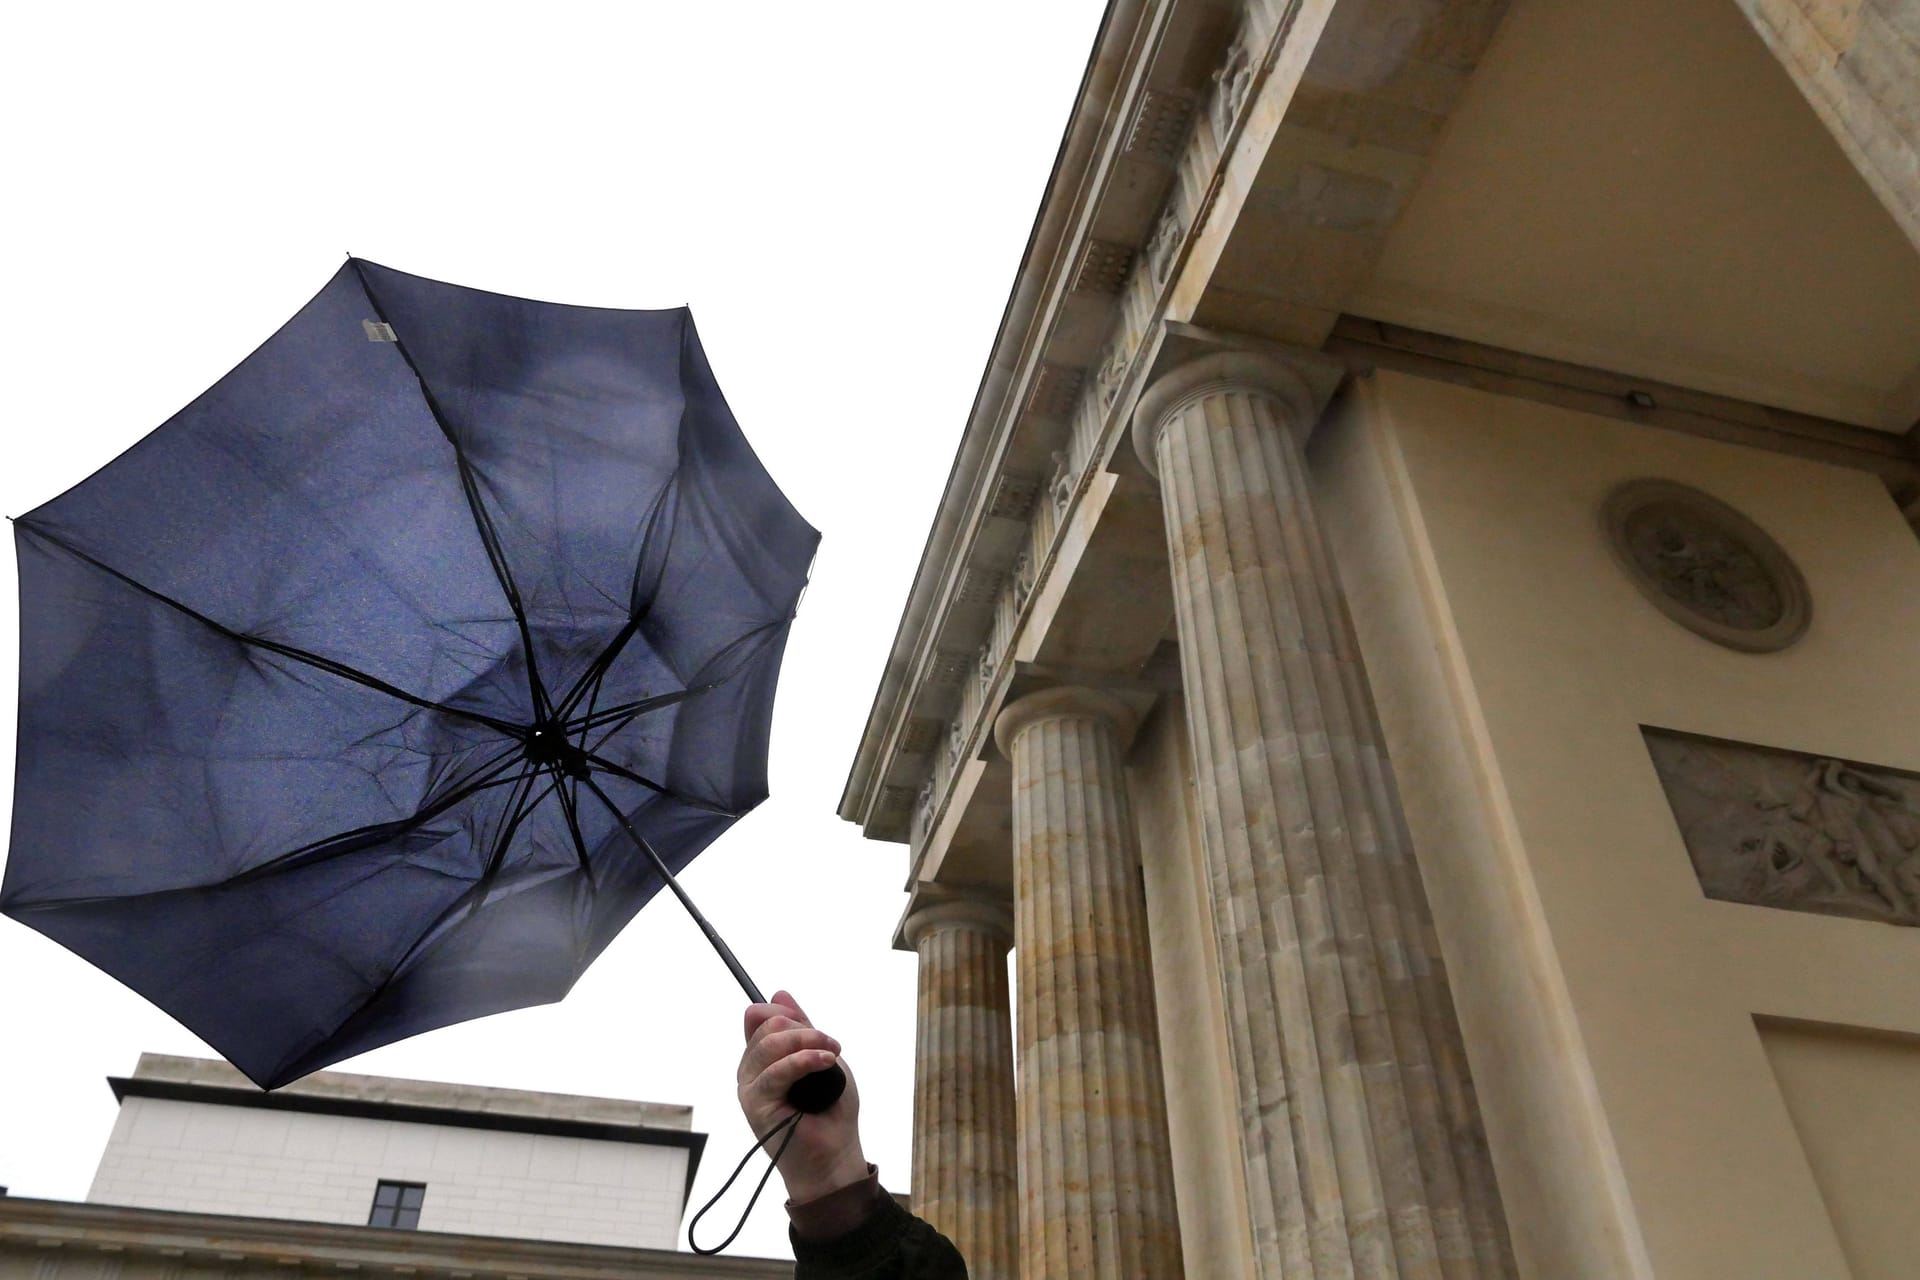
[(397, 1204)]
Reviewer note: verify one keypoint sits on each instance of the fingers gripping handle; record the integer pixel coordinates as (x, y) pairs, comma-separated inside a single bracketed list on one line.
[(814, 1093)]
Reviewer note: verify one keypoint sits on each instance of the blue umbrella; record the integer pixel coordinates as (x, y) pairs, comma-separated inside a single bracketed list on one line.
[(381, 686)]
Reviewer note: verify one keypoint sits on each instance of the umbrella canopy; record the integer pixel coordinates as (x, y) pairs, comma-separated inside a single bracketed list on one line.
[(347, 693)]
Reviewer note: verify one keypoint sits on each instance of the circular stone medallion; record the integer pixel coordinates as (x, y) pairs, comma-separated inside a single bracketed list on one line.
[(1706, 566)]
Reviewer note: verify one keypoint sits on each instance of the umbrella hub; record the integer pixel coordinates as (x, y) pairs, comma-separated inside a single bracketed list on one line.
[(548, 747)]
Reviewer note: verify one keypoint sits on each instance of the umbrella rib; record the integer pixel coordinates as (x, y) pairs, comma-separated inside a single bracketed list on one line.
[(633, 710), (483, 521), (627, 712), (475, 894), (334, 846), (522, 808), (303, 656), (601, 663), (597, 669), (570, 805), (621, 771), (756, 635)]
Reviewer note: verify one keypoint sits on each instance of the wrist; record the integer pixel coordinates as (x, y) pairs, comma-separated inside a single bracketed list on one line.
[(811, 1183)]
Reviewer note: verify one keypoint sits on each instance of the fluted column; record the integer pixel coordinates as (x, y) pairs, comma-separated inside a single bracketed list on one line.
[(1364, 1152), (1096, 1185), (964, 1174)]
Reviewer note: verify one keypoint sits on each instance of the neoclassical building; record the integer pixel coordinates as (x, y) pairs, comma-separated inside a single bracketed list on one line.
[(1419, 659)]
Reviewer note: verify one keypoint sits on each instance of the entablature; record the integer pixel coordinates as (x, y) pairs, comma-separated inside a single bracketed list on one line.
[(1168, 95)]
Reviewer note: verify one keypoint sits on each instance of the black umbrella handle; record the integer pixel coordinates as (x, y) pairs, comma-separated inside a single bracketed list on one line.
[(812, 1094)]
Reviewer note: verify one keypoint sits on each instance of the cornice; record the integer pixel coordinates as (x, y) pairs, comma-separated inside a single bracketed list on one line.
[(413, 1113), (1100, 83), (1157, 119), (45, 1231), (1367, 344)]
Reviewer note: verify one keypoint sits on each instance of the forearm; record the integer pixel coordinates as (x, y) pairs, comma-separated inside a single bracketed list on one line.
[(859, 1232)]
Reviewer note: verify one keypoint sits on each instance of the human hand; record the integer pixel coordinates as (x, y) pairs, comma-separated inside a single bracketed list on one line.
[(783, 1046)]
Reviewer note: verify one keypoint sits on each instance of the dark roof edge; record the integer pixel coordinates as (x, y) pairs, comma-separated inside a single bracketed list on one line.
[(412, 1113)]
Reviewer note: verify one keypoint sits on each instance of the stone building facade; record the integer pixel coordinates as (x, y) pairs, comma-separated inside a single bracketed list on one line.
[(1419, 655), (205, 1176)]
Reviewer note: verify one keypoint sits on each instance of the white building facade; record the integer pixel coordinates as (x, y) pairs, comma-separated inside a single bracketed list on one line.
[(207, 1177), (195, 1135)]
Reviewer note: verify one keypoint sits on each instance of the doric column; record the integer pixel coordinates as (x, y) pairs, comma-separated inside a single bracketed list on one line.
[(1363, 1148), (964, 1175), (1096, 1184)]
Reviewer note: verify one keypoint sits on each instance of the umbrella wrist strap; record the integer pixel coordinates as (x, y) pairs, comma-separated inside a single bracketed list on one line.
[(787, 1127)]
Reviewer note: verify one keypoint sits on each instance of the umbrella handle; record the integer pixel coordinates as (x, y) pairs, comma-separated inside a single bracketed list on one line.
[(814, 1093)]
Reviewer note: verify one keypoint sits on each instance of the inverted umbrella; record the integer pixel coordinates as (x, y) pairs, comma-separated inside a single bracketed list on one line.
[(382, 685)]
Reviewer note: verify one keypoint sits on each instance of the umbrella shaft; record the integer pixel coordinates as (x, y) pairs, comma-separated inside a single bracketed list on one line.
[(719, 944), (666, 873)]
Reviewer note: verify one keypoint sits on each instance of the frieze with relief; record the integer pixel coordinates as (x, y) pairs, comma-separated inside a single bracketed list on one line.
[(1801, 832)]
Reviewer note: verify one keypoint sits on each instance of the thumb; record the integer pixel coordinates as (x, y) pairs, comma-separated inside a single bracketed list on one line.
[(783, 998)]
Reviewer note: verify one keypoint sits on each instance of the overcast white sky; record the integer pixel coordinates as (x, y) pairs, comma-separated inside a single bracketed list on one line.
[(841, 192)]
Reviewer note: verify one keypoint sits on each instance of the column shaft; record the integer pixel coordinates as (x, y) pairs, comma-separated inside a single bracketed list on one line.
[(1363, 1148), (964, 1171), (1096, 1183)]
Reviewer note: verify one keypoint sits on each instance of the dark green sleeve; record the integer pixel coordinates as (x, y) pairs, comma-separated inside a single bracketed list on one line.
[(891, 1244)]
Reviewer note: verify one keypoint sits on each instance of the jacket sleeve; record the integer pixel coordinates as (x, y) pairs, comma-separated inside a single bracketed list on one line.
[(886, 1242)]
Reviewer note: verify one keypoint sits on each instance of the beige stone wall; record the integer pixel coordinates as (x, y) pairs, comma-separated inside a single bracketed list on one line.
[(1855, 1102), (1638, 1126), (1858, 62)]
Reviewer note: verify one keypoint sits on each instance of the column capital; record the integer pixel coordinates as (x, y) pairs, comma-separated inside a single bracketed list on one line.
[(940, 907), (1298, 383), (1077, 701)]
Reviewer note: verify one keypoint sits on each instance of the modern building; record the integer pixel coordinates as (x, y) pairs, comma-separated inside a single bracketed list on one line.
[(1419, 658), (206, 1175)]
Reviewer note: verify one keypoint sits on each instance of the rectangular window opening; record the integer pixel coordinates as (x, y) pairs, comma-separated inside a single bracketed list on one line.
[(397, 1204)]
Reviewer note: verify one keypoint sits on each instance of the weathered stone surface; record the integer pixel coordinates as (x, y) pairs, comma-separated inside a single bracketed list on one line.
[(1096, 1183), (1782, 829), (965, 1180), (1363, 1148), (1858, 63)]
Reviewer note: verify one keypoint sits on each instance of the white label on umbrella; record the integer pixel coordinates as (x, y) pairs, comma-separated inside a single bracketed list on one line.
[(379, 331)]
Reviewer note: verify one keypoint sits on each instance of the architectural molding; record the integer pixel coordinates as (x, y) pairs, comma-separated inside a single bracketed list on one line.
[(1149, 74), (1069, 700), (1298, 382), (56, 1239), (1369, 344), (125, 1087), (935, 906)]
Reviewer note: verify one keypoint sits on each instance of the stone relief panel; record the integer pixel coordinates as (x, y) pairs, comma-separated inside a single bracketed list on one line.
[(1781, 829), (1706, 566)]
